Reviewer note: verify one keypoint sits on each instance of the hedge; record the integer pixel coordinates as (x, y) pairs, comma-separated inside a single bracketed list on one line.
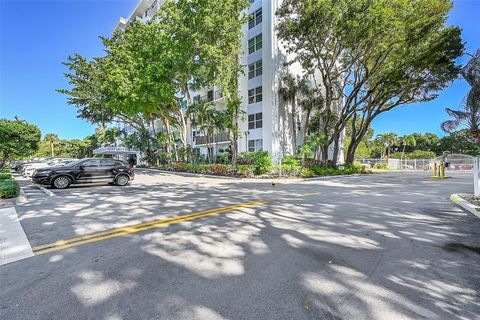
[(5, 175), (9, 188)]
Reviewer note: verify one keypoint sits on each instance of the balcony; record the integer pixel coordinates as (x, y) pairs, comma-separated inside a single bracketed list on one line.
[(217, 138), (212, 95)]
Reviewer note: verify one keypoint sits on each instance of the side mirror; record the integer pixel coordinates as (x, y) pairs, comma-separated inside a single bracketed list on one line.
[(81, 167)]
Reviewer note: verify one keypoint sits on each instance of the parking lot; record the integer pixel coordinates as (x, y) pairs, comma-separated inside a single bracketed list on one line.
[(173, 246)]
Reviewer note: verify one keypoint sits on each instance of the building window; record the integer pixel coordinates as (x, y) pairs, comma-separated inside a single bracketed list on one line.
[(255, 145), (255, 69), (255, 43), (255, 18), (255, 121), (255, 95)]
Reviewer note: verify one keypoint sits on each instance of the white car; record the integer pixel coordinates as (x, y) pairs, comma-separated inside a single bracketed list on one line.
[(29, 170)]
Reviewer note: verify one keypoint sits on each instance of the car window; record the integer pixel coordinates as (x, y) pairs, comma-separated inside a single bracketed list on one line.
[(107, 162), (90, 163)]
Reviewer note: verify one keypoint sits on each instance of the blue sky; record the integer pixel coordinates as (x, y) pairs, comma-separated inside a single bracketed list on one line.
[(36, 36)]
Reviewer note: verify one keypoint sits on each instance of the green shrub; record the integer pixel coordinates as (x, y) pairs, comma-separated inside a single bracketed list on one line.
[(9, 189), (307, 172), (220, 169), (262, 163), (197, 168), (351, 169), (246, 158), (181, 167), (381, 165), (5, 175), (290, 161), (244, 171), (290, 166), (327, 171)]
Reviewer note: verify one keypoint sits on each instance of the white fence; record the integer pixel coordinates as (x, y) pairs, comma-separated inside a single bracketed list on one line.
[(454, 162), (398, 164), (410, 164)]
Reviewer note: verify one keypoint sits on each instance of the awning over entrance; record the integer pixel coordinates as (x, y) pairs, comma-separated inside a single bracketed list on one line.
[(114, 151)]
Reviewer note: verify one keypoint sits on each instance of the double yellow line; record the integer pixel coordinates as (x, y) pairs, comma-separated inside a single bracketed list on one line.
[(99, 236)]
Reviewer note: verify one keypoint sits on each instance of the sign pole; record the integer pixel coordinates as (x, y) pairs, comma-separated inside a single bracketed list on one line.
[(476, 176)]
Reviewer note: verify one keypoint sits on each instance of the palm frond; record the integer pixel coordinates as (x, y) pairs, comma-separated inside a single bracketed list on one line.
[(450, 125)]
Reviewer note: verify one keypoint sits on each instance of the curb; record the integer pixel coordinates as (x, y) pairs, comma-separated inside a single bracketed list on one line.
[(22, 197), (465, 205), (46, 191)]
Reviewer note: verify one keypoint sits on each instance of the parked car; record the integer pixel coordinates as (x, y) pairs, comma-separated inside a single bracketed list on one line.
[(85, 171), (31, 163), (29, 170)]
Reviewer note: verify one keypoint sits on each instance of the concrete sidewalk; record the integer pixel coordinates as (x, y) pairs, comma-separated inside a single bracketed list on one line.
[(14, 244)]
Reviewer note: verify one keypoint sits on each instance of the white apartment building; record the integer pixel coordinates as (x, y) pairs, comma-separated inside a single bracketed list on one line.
[(267, 124)]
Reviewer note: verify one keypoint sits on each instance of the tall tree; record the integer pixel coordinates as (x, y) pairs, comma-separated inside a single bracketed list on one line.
[(289, 92), (18, 139), (407, 140), (371, 56), (52, 140)]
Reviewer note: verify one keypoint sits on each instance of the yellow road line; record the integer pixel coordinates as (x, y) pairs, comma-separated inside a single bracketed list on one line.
[(64, 244), (128, 228), (309, 194)]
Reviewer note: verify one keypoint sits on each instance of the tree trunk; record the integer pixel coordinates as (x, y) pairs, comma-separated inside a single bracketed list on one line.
[(294, 124), (325, 155)]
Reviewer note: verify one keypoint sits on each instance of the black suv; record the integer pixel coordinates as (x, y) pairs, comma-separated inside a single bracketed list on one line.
[(85, 171)]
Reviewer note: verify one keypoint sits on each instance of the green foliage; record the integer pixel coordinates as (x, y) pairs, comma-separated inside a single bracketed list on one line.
[(9, 188), (307, 173), (244, 171), (416, 154), (388, 53), (290, 161), (470, 113), (381, 165), (18, 139), (246, 158), (5, 175), (263, 162), (459, 142)]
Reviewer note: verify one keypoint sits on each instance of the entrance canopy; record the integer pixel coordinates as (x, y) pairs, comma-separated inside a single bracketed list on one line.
[(114, 151)]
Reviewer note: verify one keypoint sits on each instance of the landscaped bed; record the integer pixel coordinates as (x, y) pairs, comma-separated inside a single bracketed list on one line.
[(8, 186), (259, 165)]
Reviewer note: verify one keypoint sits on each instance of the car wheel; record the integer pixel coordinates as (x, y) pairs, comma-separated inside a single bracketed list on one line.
[(121, 180), (61, 182)]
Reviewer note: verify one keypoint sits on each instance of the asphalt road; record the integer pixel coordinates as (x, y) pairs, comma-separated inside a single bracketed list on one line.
[(384, 246)]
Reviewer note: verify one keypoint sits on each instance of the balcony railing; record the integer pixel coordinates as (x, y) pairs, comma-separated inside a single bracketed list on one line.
[(217, 138)]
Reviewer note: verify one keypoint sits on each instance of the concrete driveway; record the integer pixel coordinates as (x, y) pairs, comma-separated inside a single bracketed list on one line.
[(384, 246)]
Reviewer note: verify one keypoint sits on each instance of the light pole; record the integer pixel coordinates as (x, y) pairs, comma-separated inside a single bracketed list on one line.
[(247, 133)]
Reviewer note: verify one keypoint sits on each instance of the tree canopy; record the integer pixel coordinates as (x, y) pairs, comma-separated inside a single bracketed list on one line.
[(19, 139), (370, 56)]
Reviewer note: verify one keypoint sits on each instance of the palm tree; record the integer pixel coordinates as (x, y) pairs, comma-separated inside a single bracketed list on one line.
[(387, 140), (288, 91), (52, 139), (407, 140), (470, 115), (205, 117)]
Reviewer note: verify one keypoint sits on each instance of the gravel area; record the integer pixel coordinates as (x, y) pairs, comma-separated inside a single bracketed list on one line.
[(471, 198)]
